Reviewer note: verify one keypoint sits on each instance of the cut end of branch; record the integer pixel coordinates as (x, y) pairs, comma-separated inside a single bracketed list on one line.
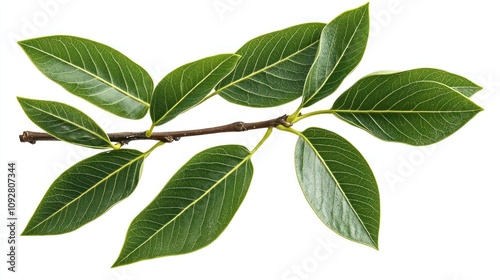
[(27, 137)]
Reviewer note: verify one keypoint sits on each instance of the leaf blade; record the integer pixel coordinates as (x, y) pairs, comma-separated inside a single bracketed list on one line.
[(186, 86), (109, 176), (341, 48), (93, 71), (261, 78), (412, 107), (454, 81), (65, 123), (202, 196), (339, 185)]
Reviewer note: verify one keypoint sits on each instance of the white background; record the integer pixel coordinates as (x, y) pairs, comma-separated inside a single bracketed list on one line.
[(440, 209)]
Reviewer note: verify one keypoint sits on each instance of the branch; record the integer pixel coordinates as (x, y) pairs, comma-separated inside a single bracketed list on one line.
[(126, 137)]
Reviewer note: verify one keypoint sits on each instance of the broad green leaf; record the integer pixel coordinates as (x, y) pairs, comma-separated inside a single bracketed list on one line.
[(339, 185), (417, 107), (193, 208), (65, 123), (187, 85), (273, 67), (456, 82), (341, 47), (94, 72), (85, 191)]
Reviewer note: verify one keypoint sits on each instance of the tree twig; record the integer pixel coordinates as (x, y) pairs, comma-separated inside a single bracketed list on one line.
[(126, 137)]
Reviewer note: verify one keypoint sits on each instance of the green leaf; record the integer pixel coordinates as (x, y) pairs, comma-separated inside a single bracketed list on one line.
[(339, 185), (417, 107), (273, 67), (65, 123), (187, 85), (341, 47), (193, 208), (85, 191), (94, 72)]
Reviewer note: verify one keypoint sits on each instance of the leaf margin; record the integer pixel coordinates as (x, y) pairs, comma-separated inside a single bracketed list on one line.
[(230, 59), (139, 159), (463, 95), (312, 97), (302, 137), (223, 85), (246, 161), (100, 134), (147, 82)]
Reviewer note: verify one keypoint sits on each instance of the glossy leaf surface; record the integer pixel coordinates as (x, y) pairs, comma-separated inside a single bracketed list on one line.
[(341, 47), (273, 67), (94, 72), (456, 82), (339, 185), (187, 85), (65, 123), (417, 107), (193, 208), (85, 191)]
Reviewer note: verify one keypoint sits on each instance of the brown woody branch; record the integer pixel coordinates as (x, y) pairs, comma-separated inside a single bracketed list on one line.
[(126, 137)]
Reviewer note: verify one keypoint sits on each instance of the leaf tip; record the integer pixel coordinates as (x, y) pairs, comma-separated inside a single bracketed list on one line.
[(116, 264), (121, 261), (372, 242), (477, 108), (26, 231), (22, 43), (365, 6), (22, 101)]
